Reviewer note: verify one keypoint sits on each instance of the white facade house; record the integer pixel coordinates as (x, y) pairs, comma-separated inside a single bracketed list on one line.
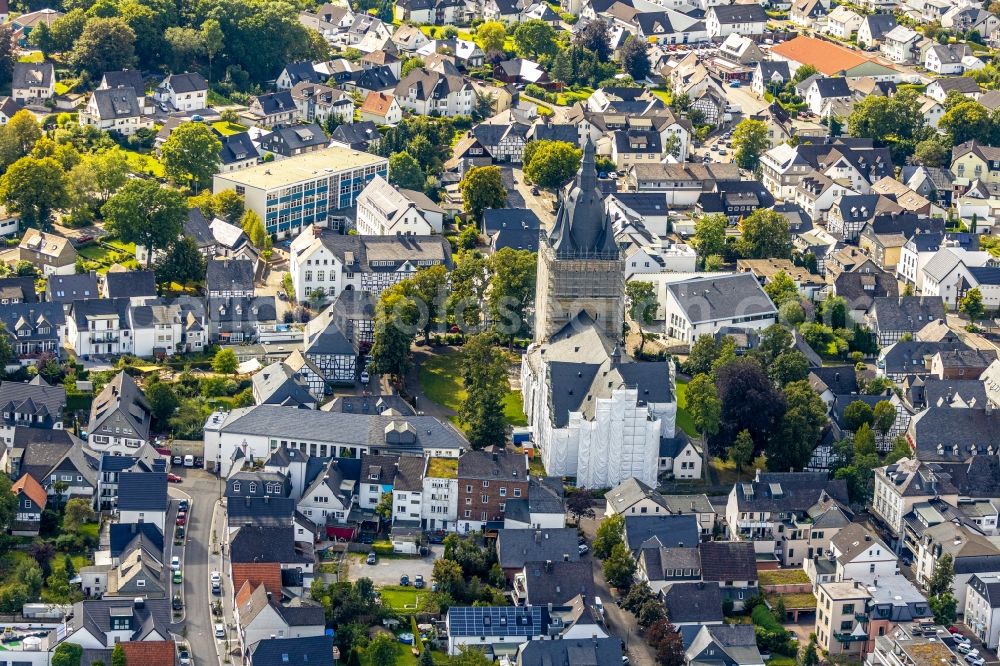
[(725, 20), (99, 327), (183, 92), (982, 608), (383, 210), (952, 271), (439, 504), (860, 555), (680, 458), (900, 44), (424, 92), (611, 437), (843, 22), (701, 306)]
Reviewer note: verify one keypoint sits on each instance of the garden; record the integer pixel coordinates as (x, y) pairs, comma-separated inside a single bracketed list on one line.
[(441, 381)]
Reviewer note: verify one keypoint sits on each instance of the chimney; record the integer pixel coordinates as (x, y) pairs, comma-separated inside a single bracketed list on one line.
[(756, 477)]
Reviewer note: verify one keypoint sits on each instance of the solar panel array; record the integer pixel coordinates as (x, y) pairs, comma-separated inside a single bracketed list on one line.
[(494, 621)]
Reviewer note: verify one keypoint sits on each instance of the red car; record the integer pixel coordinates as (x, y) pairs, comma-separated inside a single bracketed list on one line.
[(182, 520), (173, 478)]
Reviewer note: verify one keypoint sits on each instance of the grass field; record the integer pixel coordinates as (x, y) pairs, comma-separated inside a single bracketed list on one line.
[(33, 56), (792, 601), (441, 381), (662, 94), (145, 164), (684, 419), (783, 577), (226, 129), (401, 599)]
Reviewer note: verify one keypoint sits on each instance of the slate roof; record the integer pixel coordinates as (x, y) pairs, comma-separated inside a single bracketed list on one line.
[(229, 275), (377, 79), (861, 289), (82, 310), (43, 449), (515, 547), (186, 82), (907, 356), (840, 379), (36, 398), (196, 226), (356, 135), (117, 103), (832, 87), (948, 427), (265, 544), (724, 297), (235, 148), (302, 71), (126, 78), (131, 284), (670, 531), (302, 651), (294, 139), (988, 587), (879, 24), (323, 336), (276, 102), (142, 491), (24, 286), (557, 582), (692, 602), (728, 560), (570, 652), (798, 491), (122, 534), (277, 384), (262, 511), (68, 288), (374, 254), (33, 75), (730, 14), (501, 465), (94, 615), (124, 395), (906, 313)]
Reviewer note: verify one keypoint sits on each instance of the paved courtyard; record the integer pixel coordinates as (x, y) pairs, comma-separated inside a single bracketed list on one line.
[(388, 570)]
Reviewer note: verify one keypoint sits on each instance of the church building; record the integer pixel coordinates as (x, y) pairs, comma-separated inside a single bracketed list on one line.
[(595, 413)]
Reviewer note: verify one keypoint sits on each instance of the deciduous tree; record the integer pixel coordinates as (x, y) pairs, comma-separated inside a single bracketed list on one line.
[(741, 452), (856, 414), (765, 236), (634, 57), (225, 362), (183, 263), (642, 305), (405, 171), (484, 377), (105, 45), (552, 163), (144, 213), (512, 290), (482, 188), (800, 428), (710, 235), (972, 304), (619, 567), (191, 154), (34, 188), (534, 38), (491, 36), (609, 533), (750, 141)]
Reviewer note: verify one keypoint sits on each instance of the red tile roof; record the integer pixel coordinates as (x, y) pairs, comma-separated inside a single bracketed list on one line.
[(150, 653), (267, 574), (828, 58), (32, 489)]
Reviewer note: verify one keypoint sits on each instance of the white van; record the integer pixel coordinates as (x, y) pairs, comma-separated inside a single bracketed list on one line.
[(189, 461)]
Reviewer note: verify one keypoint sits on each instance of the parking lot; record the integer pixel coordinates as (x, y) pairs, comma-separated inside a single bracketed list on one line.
[(387, 570)]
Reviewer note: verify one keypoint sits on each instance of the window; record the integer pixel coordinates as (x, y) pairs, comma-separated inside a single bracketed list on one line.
[(468, 488), (468, 513), (236, 486), (848, 609), (847, 625), (517, 492), (503, 492), (253, 487), (486, 499), (27, 503), (486, 484)]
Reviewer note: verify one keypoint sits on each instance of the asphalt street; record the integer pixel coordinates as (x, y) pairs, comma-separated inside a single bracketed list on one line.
[(202, 490)]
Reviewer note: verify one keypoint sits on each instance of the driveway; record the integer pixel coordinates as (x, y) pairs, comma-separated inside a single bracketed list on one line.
[(520, 196), (202, 489), (620, 623), (388, 570), (272, 287)]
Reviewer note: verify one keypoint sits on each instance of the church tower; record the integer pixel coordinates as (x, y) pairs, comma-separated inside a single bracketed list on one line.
[(580, 269)]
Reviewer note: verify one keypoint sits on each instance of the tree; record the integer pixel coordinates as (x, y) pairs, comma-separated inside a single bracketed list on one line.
[(765, 236), (703, 355), (34, 188), (610, 532), (213, 39), (972, 304), (163, 402), (405, 171), (704, 405), (885, 417), (382, 650), (67, 654), (144, 213), (396, 318), (790, 366), (253, 226), (781, 289), (535, 38), (41, 39), (580, 504), (634, 57), (642, 302), (511, 290), (710, 234), (426, 658), (491, 36), (384, 507), (965, 121), (66, 29), (411, 64), (182, 263), (482, 188), (857, 413), (105, 45), (943, 576), (741, 452), (224, 362), (19, 138), (894, 121), (77, 513), (110, 169), (945, 608), (800, 428), (229, 206), (8, 54), (553, 163), (750, 141), (650, 612), (932, 152), (468, 290), (749, 402), (809, 656), (803, 73), (187, 46), (191, 154), (619, 567), (596, 38), (484, 376), (664, 638), (118, 656)]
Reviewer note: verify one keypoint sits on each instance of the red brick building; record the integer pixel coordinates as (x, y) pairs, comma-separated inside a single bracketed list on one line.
[(486, 480)]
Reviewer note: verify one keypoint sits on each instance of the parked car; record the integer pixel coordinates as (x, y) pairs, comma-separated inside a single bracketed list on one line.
[(216, 588), (964, 647), (189, 461), (175, 563), (365, 377), (184, 657), (177, 603), (178, 460), (173, 478), (404, 580), (220, 630), (183, 505), (418, 582), (974, 660), (179, 532), (198, 462), (178, 578), (181, 520), (584, 548), (370, 559)]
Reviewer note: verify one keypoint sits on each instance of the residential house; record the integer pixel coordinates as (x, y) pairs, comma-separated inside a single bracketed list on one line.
[(238, 152), (273, 109), (119, 417), (946, 60), (295, 73), (361, 136), (901, 44), (258, 617), (383, 210), (730, 644), (891, 318), (724, 20), (183, 92), (938, 89), (317, 103), (34, 329), (499, 628), (381, 109), (982, 608), (236, 319), (517, 547), (289, 141), (142, 498), (770, 76), (49, 253), (423, 92), (33, 83), (100, 624), (839, 628), (702, 306), (486, 480), (327, 347), (873, 29), (843, 23), (826, 90), (31, 500)]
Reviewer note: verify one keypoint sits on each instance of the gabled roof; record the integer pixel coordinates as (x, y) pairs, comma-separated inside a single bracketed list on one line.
[(265, 544), (730, 14), (147, 621), (186, 82), (693, 602), (236, 148), (130, 284), (832, 87), (670, 531), (276, 102), (556, 582), (36, 398), (33, 75), (518, 546), (142, 491), (126, 78), (122, 394), (723, 297), (229, 275), (31, 489), (906, 313), (302, 651), (116, 103)]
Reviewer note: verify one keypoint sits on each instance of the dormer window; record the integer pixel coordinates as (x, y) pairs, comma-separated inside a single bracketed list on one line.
[(236, 486), (253, 487)]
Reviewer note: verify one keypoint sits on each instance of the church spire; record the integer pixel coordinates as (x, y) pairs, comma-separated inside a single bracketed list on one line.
[(582, 229)]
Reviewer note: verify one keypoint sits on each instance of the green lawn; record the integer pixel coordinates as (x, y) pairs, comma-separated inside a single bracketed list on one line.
[(439, 31), (401, 599), (684, 419), (143, 163), (662, 94), (225, 128), (405, 658), (94, 252), (441, 381), (34, 56), (61, 88), (783, 577)]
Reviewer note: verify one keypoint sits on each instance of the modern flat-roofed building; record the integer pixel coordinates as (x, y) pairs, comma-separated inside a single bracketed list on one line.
[(304, 189)]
